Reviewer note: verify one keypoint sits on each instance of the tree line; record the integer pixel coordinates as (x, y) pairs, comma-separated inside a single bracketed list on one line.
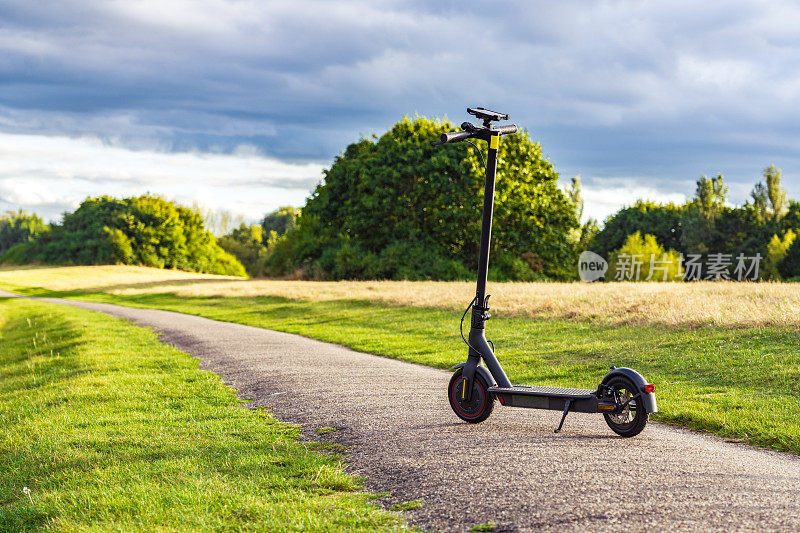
[(766, 226), (394, 207), (145, 230)]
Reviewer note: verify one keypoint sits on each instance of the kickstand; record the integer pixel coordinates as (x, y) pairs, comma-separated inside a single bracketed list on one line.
[(566, 410)]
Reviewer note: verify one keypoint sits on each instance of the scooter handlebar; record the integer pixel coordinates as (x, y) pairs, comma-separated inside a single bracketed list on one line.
[(505, 130), (472, 131), (455, 136)]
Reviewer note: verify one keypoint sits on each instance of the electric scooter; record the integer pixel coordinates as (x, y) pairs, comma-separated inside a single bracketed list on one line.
[(623, 396)]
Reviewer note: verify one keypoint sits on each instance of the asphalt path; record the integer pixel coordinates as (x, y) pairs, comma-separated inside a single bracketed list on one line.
[(511, 470)]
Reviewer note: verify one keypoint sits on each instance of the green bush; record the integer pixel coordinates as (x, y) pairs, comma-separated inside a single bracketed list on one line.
[(640, 250), (660, 220), (776, 251), (280, 221), (145, 230), (20, 254), (18, 227), (397, 208), (789, 267), (246, 243), (507, 267)]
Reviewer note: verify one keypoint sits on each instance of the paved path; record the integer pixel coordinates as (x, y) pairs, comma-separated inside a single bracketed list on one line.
[(512, 469)]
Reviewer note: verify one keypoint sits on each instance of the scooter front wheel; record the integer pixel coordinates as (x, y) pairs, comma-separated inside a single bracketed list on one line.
[(472, 408), (630, 420)]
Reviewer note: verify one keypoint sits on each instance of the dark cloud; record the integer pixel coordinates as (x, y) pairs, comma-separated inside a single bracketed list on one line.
[(654, 91)]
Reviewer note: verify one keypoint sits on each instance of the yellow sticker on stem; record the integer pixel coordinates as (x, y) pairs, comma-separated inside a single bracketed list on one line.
[(494, 142)]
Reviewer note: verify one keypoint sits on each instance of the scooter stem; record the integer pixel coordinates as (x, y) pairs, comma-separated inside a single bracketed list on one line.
[(486, 219), (477, 337)]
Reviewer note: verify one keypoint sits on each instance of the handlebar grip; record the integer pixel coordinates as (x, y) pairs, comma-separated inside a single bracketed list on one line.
[(455, 136), (505, 130)]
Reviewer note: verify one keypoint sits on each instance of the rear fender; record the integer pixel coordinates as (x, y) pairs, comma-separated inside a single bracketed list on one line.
[(648, 398)]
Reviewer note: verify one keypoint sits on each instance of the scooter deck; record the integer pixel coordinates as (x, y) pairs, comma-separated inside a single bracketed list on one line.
[(554, 398), (551, 392)]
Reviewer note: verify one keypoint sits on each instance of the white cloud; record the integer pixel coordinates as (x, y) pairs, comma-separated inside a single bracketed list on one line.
[(600, 201), (52, 174), (22, 192)]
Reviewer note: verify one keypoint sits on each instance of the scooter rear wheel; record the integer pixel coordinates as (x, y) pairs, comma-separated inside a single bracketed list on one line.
[(633, 418), (478, 407)]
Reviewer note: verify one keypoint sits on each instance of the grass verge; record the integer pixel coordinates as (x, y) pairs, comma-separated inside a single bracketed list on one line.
[(111, 430), (692, 305), (739, 383)]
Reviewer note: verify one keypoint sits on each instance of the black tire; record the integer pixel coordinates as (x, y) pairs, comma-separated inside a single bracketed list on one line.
[(479, 407), (633, 419)]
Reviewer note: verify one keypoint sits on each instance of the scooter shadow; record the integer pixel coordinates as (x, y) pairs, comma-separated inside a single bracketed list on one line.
[(587, 437), (517, 430)]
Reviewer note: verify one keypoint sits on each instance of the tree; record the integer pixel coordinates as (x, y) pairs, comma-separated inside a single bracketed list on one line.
[(589, 232), (777, 196), (791, 220), (776, 251), (280, 221), (246, 243), (574, 194), (396, 207), (660, 220), (742, 230), (641, 258), (770, 200), (789, 267), (19, 227), (583, 236), (146, 230), (760, 201), (699, 219), (710, 195)]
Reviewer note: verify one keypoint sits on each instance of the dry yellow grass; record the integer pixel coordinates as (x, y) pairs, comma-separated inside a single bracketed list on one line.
[(674, 304), (100, 278)]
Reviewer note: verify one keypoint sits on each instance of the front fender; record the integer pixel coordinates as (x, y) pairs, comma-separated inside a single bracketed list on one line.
[(485, 374), (648, 398)]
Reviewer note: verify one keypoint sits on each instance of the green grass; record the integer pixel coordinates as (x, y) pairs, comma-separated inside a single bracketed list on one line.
[(111, 430), (739, 383), (483, 527)]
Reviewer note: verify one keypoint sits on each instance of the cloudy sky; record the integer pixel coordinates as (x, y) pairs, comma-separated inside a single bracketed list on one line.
[(240, 104)]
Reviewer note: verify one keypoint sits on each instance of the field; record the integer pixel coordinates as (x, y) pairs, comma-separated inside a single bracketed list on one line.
[(104, 428), (737, 305), (723, 356)]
